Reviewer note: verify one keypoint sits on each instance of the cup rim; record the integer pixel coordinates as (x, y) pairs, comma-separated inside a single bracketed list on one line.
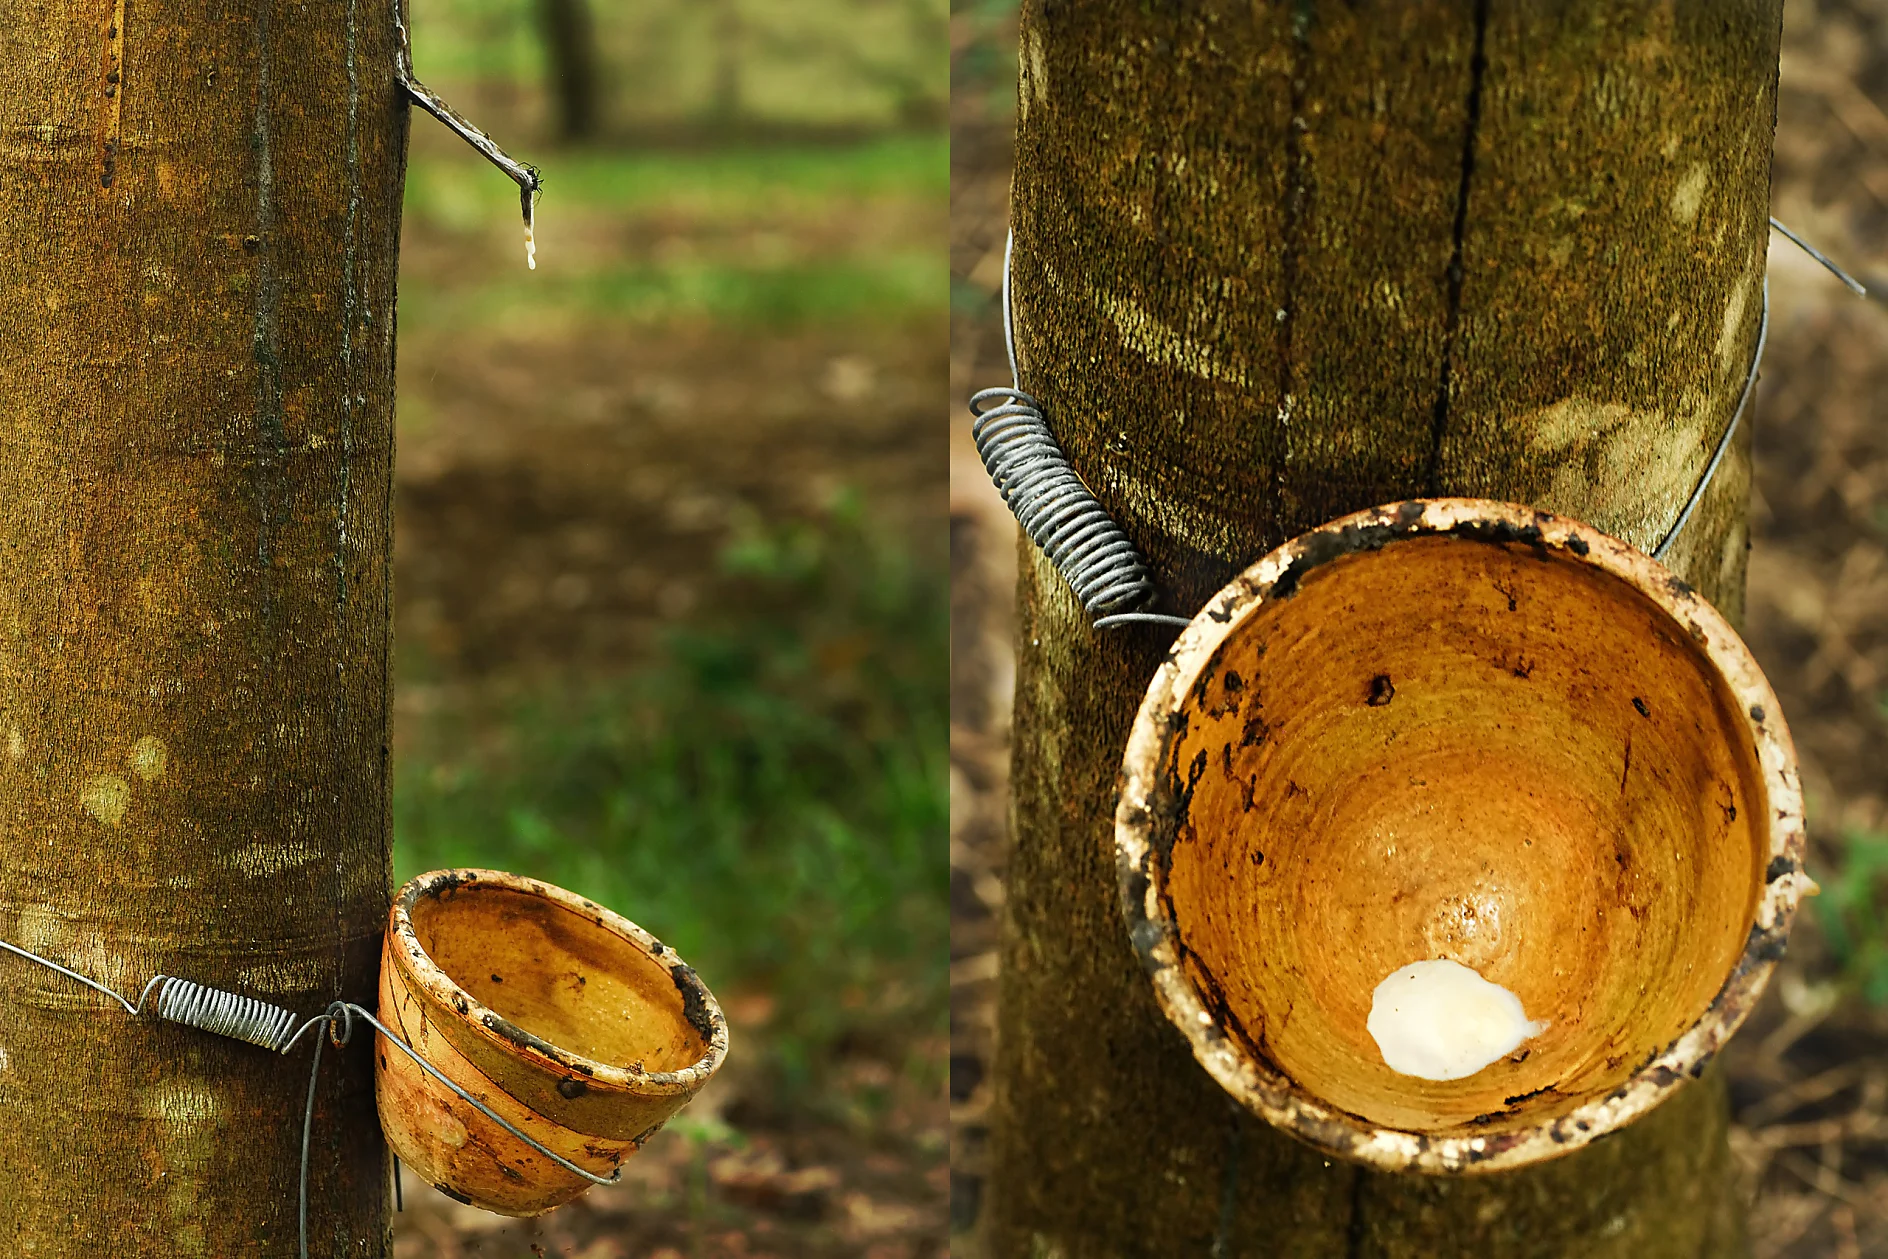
[(699, 1006), (1267, 1091)]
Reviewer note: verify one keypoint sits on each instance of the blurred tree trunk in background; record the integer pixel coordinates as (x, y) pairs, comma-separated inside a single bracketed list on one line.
[(724, 102), (571, 57), (1275, 264), (203, 210)]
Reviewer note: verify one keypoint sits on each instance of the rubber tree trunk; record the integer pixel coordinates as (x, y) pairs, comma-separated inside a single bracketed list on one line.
[(201, 208), (1275, 264)]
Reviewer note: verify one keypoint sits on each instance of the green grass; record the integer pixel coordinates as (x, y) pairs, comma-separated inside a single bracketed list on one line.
[(1853, 918), (772, 238), (775, 297), (462, 192), (769, 797)]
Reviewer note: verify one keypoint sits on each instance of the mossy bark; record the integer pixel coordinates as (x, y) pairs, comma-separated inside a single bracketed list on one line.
[(1275, 264), (201, 211)]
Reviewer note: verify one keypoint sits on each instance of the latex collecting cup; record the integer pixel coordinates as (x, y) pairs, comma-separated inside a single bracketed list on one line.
[(1465, 731), (574, 1024)]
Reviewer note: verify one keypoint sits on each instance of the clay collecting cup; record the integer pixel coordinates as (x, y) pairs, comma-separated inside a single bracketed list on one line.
[(570, 1021), (1465, 730)]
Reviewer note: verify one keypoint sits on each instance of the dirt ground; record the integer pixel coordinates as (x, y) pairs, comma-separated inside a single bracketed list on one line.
[(561, 499), (701, 1190), (1809, 1072), (566, 499)]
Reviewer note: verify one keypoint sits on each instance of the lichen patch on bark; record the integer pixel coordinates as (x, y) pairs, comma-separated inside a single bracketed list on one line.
[(105, 797), (149, 758), (1689, 195)]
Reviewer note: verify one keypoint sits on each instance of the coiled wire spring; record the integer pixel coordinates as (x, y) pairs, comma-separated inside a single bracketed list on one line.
[(224, 1013), (1093, 553), (1050, 501), (278, 1030), (1058, 512)]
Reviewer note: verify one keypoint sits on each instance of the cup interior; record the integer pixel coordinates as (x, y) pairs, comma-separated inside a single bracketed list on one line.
[(565, 977), (1486, 752)]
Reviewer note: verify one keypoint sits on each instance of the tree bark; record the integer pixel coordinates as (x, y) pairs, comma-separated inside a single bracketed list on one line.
[(570, 48), (1275, 264), (201, 209)]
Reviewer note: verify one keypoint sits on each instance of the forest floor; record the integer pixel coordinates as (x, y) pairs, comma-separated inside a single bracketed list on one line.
[(666, 505), (1809, 1072)]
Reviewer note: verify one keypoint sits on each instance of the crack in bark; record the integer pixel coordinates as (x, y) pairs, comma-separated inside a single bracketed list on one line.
[(1297, 196), (350, 303), (113, 91), (1354, 1232), (267, 350), (1229, 1184), (1478, 65)]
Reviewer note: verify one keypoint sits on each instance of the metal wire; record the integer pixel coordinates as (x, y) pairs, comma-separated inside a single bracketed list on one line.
[(274, 1028), (1855, 285), (340, 1015), (194, 1005), (1055, 509), (1052, 503), (224, 1013), (1063, 517), (1724, 442), (1750, 384), (89, 983)]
